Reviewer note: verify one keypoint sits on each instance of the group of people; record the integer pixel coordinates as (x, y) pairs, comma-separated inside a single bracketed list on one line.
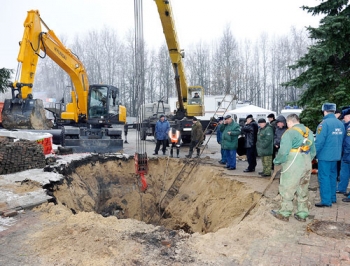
[(298, 147), (293, 146), (164, 134), (260, 139)]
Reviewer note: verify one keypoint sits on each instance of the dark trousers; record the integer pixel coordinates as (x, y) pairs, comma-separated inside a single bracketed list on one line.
[(159, 142), (173, 145), (275, 151), (194, 144), (251, 158)]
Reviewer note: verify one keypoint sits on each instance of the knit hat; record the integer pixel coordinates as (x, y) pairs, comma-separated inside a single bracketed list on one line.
[(271, 116), (249, 116), (194, 118), (162, 116), (261, 120), (329, 107)]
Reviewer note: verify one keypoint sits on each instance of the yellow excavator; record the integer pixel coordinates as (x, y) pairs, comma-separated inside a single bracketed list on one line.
[(89, 123)]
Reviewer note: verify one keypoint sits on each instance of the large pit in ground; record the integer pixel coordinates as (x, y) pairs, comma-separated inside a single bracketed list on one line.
[(207, 200)]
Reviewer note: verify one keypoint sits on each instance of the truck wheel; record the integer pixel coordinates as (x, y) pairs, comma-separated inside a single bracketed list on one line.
[(143, 135), (186, 140)]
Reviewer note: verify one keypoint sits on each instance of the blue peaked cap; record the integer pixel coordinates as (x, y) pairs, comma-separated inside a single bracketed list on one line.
[(329, 107)]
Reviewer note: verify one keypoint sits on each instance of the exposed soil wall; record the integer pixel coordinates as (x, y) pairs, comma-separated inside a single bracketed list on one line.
[(206, 202)]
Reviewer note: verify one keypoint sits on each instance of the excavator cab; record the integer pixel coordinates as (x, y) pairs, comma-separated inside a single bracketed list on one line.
[(104, 108)]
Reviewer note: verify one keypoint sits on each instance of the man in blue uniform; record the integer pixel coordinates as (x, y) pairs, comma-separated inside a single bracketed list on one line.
[(345, 161), (329, 139)]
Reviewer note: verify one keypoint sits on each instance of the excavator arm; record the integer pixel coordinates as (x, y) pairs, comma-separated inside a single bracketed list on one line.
[(35, 40)]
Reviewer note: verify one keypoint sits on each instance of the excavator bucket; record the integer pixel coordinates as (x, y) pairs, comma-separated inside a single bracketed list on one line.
[(28, 114)]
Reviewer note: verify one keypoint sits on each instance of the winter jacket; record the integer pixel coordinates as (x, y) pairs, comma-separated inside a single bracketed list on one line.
[(218, 133), (197, 132), (329, 138), (273, 124), (264, 144), (279, 131), (230, 141), (250, 131), (346, 143), (162, 129)]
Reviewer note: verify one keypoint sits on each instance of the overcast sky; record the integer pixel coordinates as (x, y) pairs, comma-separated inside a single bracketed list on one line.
[(195, 19)]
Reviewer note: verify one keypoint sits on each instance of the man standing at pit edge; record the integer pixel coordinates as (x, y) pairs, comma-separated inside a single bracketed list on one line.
[(161, 134), (229, 141), (250, 131), (329, 139), (296, 152), (197, 137)]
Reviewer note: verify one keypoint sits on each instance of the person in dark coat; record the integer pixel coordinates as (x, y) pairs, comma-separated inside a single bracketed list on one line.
[(197, 137), (273, 123), (218, 139), (264, 146), (345, 161), (250, 130), (329, 139), (272, 120), (161, 134), (229, 141), (281, 127)]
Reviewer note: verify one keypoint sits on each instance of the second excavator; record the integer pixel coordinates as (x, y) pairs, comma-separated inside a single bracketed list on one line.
[(89, 123)]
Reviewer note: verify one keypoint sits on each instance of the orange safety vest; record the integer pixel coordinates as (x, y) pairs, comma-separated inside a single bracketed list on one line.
[(174, 137)]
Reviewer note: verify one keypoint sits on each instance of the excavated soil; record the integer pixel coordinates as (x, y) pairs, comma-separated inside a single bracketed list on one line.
[(100, 217), (206, 202)]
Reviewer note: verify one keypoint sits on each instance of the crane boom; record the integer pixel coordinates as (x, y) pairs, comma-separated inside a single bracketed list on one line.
[(184, 92)]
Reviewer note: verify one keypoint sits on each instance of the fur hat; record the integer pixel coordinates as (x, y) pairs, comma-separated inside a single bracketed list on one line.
[(261, 120), (345, 112), (329, 107)]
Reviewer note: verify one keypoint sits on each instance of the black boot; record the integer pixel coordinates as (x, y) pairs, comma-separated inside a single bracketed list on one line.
[(189, 154), (171, 153)]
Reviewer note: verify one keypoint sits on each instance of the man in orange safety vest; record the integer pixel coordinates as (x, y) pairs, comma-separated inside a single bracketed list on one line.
[(175, 141)]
